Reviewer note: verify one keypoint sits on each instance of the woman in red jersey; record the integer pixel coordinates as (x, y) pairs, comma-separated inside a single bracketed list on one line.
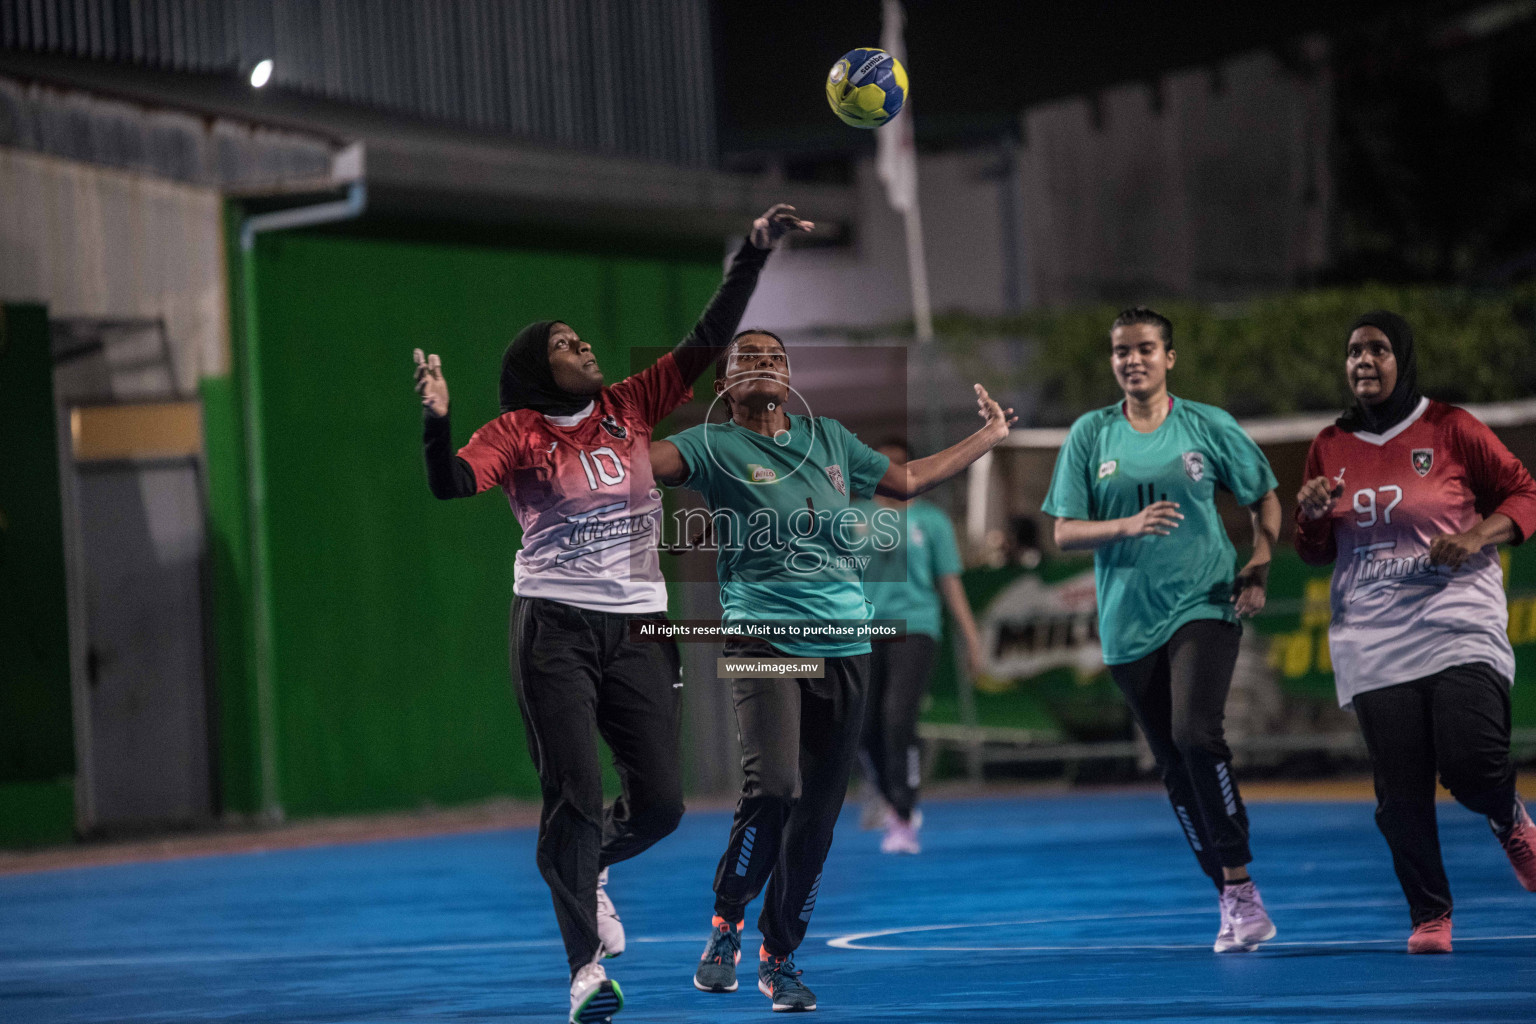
[(1409, 499), (573, 458)]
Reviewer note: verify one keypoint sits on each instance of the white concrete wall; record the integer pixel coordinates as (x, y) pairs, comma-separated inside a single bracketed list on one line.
[(93, 242)]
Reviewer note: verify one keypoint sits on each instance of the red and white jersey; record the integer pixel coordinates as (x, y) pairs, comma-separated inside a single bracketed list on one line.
[(1395, 616), (582, 489)]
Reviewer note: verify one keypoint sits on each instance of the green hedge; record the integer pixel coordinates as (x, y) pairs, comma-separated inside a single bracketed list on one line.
[(1269, 355)]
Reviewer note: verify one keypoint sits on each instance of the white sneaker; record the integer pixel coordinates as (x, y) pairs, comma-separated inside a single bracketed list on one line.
[(610, 930), (1244, 921), (594, 999), (1226, 938), (900, 837)]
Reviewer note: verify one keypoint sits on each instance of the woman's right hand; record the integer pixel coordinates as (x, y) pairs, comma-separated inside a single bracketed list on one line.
[(1158, 519), (430, 384), (1316, 497)]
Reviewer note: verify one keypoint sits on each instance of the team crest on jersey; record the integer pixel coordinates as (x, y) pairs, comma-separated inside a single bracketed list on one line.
[(835, 474), (1108, 469), (762, 474), (1423, 460), (1194, 465), (614, 427)]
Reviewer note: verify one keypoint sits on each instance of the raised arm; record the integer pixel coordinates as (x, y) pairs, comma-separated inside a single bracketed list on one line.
[(913, 478), (667, 463), (448, 476), (723, 314)]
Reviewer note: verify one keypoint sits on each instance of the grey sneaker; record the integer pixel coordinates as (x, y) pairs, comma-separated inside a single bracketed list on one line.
[(717, 967), (594, 998), (610, 930), (779, 980)]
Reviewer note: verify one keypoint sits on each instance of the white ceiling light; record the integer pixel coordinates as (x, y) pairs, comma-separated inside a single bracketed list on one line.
[(261, 74)]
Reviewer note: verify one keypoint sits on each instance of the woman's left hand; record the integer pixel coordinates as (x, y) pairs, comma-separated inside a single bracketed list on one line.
[(1249, 589), (1453, 549), (779, 221), (998, 420)]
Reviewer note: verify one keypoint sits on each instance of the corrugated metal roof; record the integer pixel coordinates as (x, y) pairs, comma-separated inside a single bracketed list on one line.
[(609, 76)]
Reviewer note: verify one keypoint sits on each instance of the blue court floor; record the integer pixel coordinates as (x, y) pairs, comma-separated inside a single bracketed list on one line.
[(1077, 908)]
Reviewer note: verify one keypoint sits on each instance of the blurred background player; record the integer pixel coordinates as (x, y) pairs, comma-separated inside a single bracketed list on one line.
[(1409, 499), (570, 455), (1136, 484), (799, 736), (906, 583)]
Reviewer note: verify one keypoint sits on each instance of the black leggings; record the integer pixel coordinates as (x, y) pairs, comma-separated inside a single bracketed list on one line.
[(1455, 722), (578, 674), (898, 681), (799, 739), (1178, 695)]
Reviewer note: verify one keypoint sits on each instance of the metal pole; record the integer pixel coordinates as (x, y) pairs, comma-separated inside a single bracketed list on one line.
[(255, 455)]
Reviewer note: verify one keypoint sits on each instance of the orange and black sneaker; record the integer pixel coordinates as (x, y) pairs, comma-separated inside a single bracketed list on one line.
[(779, 979), (717, 967)]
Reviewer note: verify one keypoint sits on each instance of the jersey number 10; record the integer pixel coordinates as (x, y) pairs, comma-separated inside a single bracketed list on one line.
[(596, 470)]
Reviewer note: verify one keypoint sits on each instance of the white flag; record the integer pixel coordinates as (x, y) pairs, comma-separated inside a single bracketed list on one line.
[(896, 153)]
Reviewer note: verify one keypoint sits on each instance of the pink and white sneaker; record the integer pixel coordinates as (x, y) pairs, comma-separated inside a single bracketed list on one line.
[(900, 837), (1244, 921), (1431, 936), (1519, 844)]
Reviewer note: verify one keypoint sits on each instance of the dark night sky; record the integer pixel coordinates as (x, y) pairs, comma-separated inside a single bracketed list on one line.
[(976, 63)]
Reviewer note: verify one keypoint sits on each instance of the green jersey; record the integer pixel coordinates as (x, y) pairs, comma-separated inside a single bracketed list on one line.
[(789, 546), (1150, 586), (903, 582)]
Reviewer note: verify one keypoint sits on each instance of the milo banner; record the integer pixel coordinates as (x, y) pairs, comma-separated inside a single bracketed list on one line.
[(1045, 672)]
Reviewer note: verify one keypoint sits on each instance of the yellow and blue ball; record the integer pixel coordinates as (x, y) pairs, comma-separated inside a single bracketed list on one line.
[(867, 87)]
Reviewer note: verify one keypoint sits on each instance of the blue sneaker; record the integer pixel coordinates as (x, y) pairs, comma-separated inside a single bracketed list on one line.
[(717, 967), (779, 980)]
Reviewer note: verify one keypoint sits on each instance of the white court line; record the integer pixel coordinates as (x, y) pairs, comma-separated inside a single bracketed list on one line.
[(860, 940), (837, 942), (173, 959)]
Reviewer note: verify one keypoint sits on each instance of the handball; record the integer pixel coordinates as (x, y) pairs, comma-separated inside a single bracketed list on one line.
[(867, 87)]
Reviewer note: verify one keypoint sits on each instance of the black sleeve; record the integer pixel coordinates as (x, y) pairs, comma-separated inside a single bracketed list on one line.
[(447, 475), (723, 314)]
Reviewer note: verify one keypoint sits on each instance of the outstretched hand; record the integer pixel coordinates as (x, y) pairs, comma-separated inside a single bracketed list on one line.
[(997, 419), (779, 221), (430, 384)]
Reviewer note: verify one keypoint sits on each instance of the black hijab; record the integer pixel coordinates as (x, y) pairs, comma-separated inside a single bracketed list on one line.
[(527, 382), (1399, 405)]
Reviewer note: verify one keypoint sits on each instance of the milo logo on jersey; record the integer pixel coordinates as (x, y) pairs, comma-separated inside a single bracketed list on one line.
[(761, 474), (1375, 570), (589, 532)]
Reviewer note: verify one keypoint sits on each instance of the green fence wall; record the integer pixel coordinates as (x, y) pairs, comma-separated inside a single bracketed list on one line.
[(1064, 702), (388, 609), (37, 752)]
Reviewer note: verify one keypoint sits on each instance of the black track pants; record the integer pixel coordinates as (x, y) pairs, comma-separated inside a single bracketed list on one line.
[(1178, 695), (898, 681), (1455, 722), (799, 739), (578, 674)]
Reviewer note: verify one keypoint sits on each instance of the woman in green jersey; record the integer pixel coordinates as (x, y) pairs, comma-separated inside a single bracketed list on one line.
[(1136, 484), (779, 488)]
